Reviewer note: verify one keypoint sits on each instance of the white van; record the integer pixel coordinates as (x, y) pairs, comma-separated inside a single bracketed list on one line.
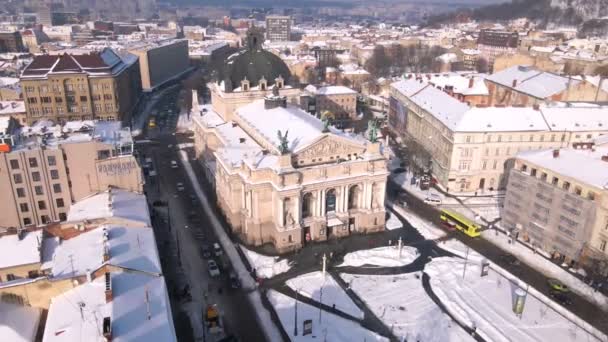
[(433, 199), (217, 250)]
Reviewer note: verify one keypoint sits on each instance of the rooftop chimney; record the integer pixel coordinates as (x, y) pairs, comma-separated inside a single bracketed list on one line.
[(108, 291), (471, 82), (536, 106), (605, 158), (514, 83), (271, 102), (555, 153)]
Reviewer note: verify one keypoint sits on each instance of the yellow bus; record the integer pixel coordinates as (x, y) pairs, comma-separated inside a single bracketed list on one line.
[(152, 122), (454, 220)]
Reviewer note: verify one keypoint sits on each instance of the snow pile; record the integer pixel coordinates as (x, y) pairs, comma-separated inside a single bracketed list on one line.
[(266, 266), (331, 328), (393, 222), (184, 122), (413, 317), (426, 229), (387, 256), (326, 290), (486, 305), (546, 267)]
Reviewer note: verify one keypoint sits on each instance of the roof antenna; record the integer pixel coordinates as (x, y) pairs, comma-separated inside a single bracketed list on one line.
[(148, 304)]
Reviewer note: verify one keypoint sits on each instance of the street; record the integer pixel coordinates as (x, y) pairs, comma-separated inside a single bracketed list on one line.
[(181, 230)]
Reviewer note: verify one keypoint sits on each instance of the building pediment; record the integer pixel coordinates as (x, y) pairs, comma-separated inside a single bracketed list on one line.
[(329, 147)]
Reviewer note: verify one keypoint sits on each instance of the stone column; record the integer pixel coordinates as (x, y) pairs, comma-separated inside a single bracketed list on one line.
[(322, 213), (298, 209), (345, 198), (281, 213)]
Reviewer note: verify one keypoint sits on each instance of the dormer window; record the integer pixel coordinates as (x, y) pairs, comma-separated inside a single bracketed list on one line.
[(279, 81), (263, 84), (245, 85)]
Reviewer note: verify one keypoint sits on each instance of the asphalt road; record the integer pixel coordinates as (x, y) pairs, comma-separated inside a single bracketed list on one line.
[(183, 229)]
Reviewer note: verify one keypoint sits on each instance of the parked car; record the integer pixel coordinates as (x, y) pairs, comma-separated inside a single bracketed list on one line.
[(173, 164), (234, 281), (214, 271), (510, 259), (180, 186), (217, 250), (433, 199), (206, 251), (561, 297), (556, 285)]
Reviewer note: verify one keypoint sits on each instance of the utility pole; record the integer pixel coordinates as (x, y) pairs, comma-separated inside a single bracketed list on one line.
[(324, 265), (400, 244), (295, 321), (466, 259)]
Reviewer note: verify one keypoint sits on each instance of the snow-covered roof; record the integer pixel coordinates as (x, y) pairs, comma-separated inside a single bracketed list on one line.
[(497, 119), (591, 118), (335, 90), (139, 311), (460, 83), (15, 251), (536, 83), (18, 323), (118, 203), (569, 163), (12, 107), (303, 128)]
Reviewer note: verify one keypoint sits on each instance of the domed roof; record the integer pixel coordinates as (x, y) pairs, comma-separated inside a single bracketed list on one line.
[(254, 63)]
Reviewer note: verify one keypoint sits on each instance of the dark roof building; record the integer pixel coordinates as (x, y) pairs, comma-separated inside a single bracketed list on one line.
[(253, 63), (504, 39)]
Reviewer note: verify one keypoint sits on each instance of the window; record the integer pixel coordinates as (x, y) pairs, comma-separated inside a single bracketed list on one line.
[(57, 188), (32, 100), (108, 107), (97, 107), (60, 110), (58, 100), (500, 138), (484, 165), (578, 190), (62, 217), (552, 137), (42, 205), (497, 152), (45, 219), (533, 172), (45, 99), (495, 165), (96, 97), (486, 152), (23, 207), (554, 181), (17, 178), (36, 176), (33, 162), (54, 174), (107, 96), (14, 164), (20, 192), (10, 277), (83, 99), (52, 161), (543, 176), (563, 137), (542, 138), (603, 245), (531, 138), (38, 190), (59, 202), (566, 186), (591, 196), (27, 221), (489, 138)]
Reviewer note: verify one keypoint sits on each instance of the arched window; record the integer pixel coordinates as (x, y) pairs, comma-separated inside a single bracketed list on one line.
[(330, 201), (353, 197), (307, 205)]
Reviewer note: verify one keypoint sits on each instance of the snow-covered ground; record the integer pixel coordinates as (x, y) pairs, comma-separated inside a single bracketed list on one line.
[(393, 222), (325, 289), (331, 327), (266, 266), (425, 228), (545, 266), (486, 303), (184, 121), (387, 256), (402, 304)]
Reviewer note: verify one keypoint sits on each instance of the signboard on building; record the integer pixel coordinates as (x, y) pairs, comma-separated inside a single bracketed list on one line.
[(117, 168), (307, 327)]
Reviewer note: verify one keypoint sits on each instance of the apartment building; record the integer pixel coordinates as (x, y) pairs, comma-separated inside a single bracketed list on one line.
[(160, 61), (470, 149), (278, 28), (557, 200), (45, 168), (100, 85), (338, 100), (493, 43), (523, 85), (10, 41)]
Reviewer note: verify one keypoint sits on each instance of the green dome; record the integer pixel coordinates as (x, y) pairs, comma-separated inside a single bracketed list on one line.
[(254, 63)]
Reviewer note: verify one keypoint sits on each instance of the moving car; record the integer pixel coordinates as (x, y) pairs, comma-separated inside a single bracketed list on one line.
[(508, 258), (556, 285), (206, 251), (234, 281), (561, 297), (217, 250), (174, 164), (214, 271), (180, 186), (433, 199)]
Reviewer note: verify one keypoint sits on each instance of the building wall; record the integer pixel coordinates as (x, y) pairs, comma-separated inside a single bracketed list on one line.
[(565, 222), (343, 106), (11, 42), (159, 64), (278, 28), (77, 96), (38, 293), (20, 272), (507, 96)]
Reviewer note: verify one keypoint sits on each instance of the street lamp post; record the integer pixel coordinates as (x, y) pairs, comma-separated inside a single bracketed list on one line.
[(295, 321)]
